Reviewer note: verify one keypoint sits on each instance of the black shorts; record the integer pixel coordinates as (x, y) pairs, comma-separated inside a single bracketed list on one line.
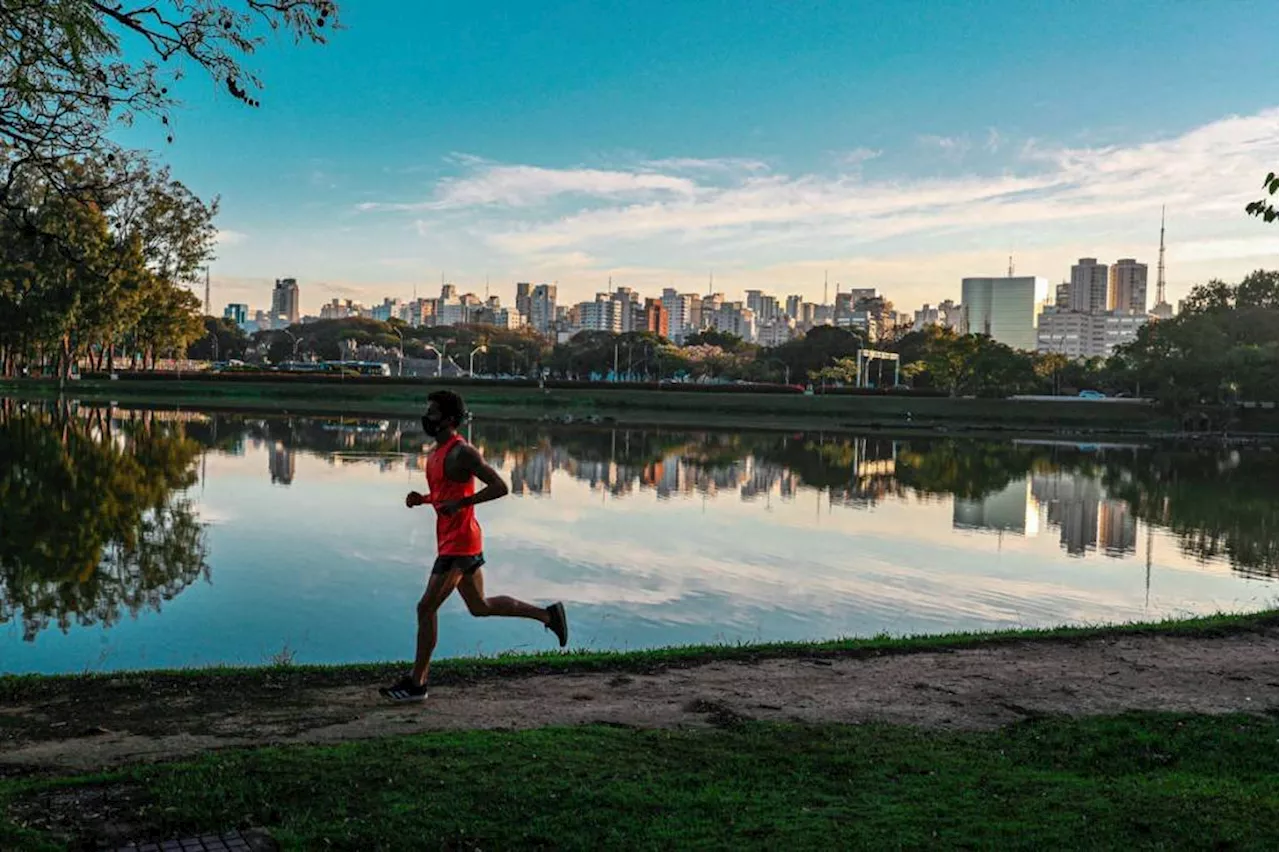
[(468, 564)]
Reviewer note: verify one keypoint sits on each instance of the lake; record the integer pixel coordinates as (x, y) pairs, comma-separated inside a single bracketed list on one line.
[(137, 538)]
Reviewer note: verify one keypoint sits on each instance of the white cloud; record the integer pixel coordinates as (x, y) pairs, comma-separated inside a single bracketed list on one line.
[(951, 147), (229, 238), (526, 186), (857, 157), (913, 236)]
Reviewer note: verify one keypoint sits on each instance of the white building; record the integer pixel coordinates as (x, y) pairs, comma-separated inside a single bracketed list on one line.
[(733, 318), (775, 332), (948, 315), (1005, 309), (1084, 335), (603, 314), (679, 314)]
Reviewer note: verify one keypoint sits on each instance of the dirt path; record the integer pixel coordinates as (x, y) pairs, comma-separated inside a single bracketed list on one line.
[(974, 688)]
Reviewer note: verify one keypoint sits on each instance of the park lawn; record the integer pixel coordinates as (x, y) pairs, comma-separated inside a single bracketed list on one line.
[(1151, 781)]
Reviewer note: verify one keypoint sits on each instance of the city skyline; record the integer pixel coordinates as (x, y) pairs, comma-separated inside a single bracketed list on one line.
[(660, 144)]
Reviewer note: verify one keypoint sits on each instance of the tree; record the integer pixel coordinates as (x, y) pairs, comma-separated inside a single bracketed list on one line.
[(1263, 206), (65, 81), (222, 341), (1221, 348), (80, 271)]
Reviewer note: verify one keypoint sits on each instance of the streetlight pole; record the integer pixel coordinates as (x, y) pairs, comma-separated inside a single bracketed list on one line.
[(400, 366), (471, 361), (439, 357)]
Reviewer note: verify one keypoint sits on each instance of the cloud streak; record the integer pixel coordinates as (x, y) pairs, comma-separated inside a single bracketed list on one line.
[(913, 232)]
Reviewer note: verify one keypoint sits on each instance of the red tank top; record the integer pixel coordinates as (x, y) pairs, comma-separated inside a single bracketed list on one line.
[(457, 534)]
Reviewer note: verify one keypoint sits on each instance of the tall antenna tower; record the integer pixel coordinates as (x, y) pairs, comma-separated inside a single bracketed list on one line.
[(1010, 266), (1160, 265), (711, 282)]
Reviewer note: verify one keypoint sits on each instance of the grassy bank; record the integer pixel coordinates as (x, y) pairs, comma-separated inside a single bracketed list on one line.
[(1145, 781), (1141, 780), (666, 406), (468, 669)]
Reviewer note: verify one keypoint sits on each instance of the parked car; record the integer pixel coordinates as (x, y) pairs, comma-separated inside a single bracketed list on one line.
[(1092, 394)]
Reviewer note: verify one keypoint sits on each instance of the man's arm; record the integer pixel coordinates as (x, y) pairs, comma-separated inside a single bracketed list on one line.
[(472, 464)]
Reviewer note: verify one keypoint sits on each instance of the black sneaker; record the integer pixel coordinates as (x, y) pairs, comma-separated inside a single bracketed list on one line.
[(404, 690), (558, 625)]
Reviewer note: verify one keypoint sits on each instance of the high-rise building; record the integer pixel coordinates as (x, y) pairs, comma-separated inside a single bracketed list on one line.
[(237, 312), (655, 318), (448, 291), (524, 298), (795, 307), (1128, 286), (1006, 309), (679, 314), (284, 300), (542, 308), (603, 314), (1062, 296), (1090, 286)]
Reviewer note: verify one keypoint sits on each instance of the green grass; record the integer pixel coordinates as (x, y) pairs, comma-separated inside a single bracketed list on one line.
[(1139, 781), (464, 669), (665, 406)]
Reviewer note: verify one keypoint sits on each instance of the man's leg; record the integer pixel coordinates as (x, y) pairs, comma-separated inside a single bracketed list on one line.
[(471, 587), (439, 587)]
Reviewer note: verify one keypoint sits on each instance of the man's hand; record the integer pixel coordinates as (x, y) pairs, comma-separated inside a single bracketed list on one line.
[(448, 507), (413, 498)]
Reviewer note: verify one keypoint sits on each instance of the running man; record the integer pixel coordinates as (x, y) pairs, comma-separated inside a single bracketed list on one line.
[(452, 468)]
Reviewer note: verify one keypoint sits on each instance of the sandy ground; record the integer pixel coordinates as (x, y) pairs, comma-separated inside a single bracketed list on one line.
[(975, 688)]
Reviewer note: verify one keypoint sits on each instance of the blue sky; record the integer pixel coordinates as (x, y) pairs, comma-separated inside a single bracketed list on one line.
[(896, 145)]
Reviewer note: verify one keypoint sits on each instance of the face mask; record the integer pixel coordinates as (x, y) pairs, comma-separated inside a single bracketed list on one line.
[(431, 427)]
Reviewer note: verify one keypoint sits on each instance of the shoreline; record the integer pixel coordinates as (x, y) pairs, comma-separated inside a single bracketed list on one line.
[(457, 670), (1068, 420)]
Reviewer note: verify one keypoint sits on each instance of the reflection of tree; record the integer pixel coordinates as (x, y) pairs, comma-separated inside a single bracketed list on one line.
[(1219, 505), (968, 469), (90, 524), (1219, 509)]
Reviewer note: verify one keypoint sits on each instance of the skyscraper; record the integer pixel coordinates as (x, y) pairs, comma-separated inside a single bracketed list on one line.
[(1090, 286), (284, 300), (679, 314), (524, 298), (655, 318), (1006, 309), (1129, 286), (542, 308)]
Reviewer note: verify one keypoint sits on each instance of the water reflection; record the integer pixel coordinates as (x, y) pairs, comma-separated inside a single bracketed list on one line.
[(95, 519), (1222, 504), (92, 523)]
